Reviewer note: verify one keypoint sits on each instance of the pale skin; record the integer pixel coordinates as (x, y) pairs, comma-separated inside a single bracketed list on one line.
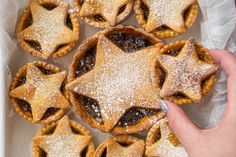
[(219, 141)]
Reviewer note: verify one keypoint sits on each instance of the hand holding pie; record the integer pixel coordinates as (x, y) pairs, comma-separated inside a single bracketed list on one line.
[(219, 140)]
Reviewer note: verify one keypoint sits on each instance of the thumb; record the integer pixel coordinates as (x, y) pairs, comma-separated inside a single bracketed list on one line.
[(187, 133)]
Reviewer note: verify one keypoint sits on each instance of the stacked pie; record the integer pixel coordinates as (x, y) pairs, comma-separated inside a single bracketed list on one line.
[(116, 78)]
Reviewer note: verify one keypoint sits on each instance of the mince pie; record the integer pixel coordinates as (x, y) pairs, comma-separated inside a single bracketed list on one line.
[(111, 80), (103, 13), (37, 92), (161, 142), (46, 29), (65, 138), (120, 146), (186, 71), (166, 18)]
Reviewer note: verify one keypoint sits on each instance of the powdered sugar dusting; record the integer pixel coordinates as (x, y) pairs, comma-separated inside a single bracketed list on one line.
[(41, 91), (168, 13), (63, 142), (185, 72), (167, 145), (108, 9), (49, 28), (119, 80)]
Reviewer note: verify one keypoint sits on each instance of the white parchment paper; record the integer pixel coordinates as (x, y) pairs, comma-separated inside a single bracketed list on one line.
[(214, 27)]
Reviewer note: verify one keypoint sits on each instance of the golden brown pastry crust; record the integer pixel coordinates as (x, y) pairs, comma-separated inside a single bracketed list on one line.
[(49, 129), (137, 150), (116, 20), (204, 52), (159, 136), (25, 21), (21, 73), (167, 33), (145, 122)]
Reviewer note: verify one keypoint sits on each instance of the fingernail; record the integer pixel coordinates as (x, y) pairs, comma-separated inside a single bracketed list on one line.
[(163, 106)]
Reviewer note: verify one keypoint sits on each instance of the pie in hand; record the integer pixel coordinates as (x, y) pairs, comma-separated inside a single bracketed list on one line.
[(161, 142), (186, 71), (166, 18), (103, 13), (37, 92), (46, 29), (121, 146), (111, 80), (64, 138)]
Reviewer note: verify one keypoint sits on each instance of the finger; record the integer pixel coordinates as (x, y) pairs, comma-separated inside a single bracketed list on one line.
[(184, 129), (228, 62)]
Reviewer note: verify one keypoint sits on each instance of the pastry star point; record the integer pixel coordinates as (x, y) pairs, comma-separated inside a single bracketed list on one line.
[(119, 81), (48, 28), (106, 8), (133, 150), (167, 13), (63, 142), (185, 72), (41, 91), (167, 145)]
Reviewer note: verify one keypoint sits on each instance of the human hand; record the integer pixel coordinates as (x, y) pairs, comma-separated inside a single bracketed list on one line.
[(219, 141)]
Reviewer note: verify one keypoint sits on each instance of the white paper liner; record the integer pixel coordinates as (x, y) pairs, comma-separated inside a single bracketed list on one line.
[(215, 28)]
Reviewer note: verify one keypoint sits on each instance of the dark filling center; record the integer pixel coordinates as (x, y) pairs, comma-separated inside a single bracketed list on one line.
[(173, 52), (185, 15), (21, 81), (49, 112), (179, 95), (129, 42), (81, 2), (49, 6), (104, 153), (51, 131), (43, 153), (84, 152), (124, 144), (91, 106), (122, 9), (29, 21), (134, 115), (99, 18), (162, 77), (25, 105), (145, 9), (163, 28), (86, 63), (45, 71), (68, 22), (34, 44), (157, 137)]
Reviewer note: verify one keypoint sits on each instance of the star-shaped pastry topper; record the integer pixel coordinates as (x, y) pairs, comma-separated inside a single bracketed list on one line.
[(167, 13), (41, 91), (63, 142), (119, 81), (49, 27), (185, 72), (114, 149), (168, 145), (108, 9)]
